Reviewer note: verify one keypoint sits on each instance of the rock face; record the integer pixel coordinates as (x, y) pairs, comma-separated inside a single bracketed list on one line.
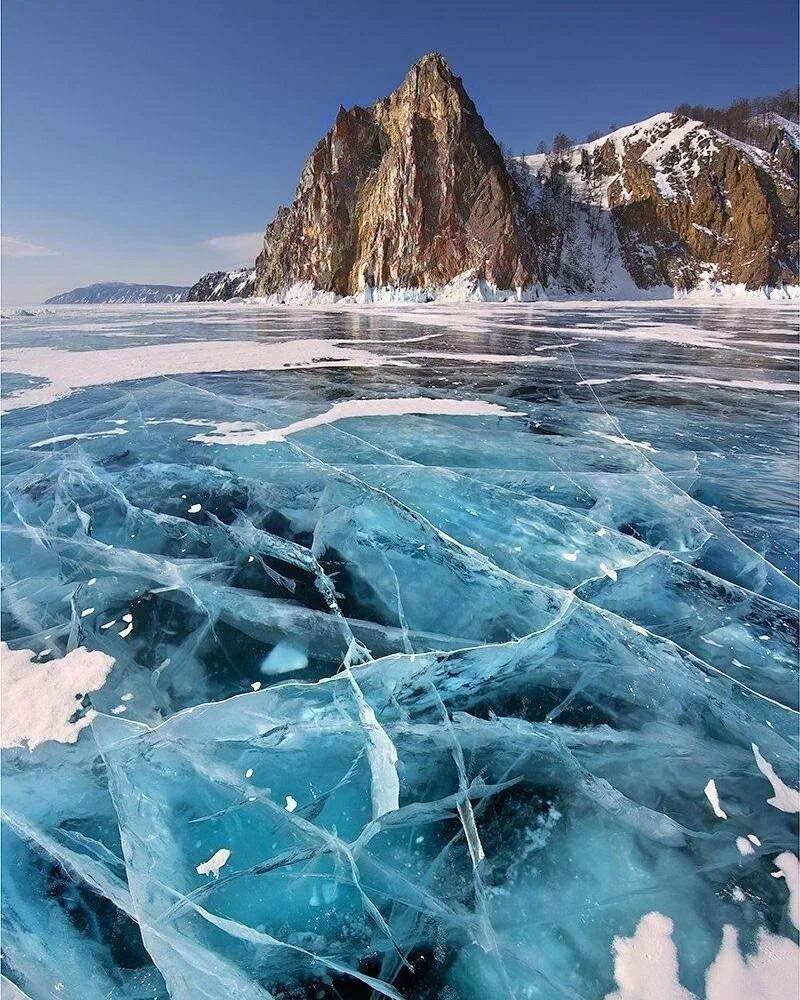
[(413, 198), (687, 204), (782, 142), (118, 292), (410, 192), (219, 286)]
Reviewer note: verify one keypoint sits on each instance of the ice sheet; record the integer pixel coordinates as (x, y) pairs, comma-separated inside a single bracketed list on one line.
[(474, 674)]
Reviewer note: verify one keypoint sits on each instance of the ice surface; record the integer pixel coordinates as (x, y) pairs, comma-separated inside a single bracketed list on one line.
[(471, 674)]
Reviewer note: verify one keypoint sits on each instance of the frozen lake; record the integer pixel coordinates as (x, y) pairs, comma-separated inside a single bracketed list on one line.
[(544, 559)]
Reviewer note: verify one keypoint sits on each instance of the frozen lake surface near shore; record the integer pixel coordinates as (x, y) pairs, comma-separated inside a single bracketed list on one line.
[(420, 651)]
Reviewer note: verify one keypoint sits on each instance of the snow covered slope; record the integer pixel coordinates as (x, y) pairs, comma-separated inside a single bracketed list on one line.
[(671, 202), (411, 200), (218, 286), (118, 292)]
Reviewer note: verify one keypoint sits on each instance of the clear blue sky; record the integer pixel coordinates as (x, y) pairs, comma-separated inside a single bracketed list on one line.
[(136, 131)]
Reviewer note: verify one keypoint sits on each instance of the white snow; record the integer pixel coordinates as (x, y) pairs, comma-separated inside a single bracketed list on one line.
[(284, 658), (785, 798), (214, 863), (38, 699), (789, 865), (70, 370), (646, 965), (769, 973), (239, 433), (713, 798), (669, 146), (59, 438), (761, 385)]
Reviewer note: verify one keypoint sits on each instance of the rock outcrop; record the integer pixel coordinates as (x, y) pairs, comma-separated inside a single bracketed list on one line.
[(219, 286), (409, 193), (688, 204), (412, 198)]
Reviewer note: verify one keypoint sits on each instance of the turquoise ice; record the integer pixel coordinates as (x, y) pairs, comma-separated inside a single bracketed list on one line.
[(449, 647)]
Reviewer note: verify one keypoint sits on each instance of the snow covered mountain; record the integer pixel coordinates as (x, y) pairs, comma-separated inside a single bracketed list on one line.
[(666, 202), (412, 199), (218, 286), (118, 292)]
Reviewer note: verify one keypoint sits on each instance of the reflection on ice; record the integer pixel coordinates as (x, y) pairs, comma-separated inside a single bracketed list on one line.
[(461, 679)]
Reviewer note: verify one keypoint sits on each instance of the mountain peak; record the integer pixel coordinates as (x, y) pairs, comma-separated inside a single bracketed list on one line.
[(432, 62), (412, 191)]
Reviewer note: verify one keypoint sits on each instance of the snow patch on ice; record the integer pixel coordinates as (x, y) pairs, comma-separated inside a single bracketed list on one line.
[(646, 965), (284, 658), (39, 700), (61, 438), (70, 370), (761, 385), (789, 864), (214, 863), (770, 973), (713, 798), (240, 433), (785, 798)]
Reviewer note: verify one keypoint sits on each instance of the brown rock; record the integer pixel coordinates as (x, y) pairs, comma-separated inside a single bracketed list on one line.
[(690, 203), (411, 192)]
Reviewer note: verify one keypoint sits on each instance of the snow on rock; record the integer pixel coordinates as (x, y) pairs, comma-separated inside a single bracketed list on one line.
[(668, 200), (119, 292), (219, 286)]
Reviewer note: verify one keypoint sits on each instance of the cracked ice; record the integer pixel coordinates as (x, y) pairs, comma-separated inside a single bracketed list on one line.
[(473, 674)]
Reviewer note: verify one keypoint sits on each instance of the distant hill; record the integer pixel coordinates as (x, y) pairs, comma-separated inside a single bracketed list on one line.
[(118, 292)]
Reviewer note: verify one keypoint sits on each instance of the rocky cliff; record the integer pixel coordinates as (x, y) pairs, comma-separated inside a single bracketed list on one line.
[(410, 192), (219, 286), (678, 203), (406, 196)]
